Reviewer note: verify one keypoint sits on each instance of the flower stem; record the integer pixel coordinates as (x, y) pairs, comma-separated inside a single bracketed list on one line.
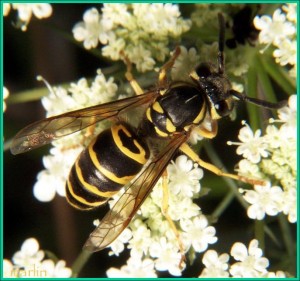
[(223, 205), (279, 75), (80, 262), (287, 239), (215, 159), (251, 89), (260, 233)]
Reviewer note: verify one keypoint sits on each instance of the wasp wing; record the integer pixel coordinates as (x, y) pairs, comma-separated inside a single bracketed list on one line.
[(118, 218), (45, 131)]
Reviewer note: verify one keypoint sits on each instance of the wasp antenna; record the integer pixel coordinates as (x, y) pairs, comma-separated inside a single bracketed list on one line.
[(259, 102), (221, 43)]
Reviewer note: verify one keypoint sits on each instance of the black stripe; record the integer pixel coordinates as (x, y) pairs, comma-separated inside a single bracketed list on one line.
[(80, 191), (94, 177), (112, 159)]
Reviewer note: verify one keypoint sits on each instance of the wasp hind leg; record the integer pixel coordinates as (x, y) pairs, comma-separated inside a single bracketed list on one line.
[(185, 148), (165, 207)]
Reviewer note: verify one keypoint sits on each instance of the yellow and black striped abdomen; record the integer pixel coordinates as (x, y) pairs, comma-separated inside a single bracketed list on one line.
[(111, 161)]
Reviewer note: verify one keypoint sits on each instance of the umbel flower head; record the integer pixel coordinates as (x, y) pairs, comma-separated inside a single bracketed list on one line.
[(29, 262), (62, 156), (269, 156), (141, 31)]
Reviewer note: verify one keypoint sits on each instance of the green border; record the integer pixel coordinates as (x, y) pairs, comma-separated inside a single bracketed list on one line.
[(154, 1)]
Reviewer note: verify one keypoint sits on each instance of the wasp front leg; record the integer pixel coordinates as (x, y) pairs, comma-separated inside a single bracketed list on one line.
[(165, 207), (162, 77), (129, 76), (185, 148)]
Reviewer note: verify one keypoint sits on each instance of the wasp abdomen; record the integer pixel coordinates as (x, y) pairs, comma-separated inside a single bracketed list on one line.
[(111, 161)]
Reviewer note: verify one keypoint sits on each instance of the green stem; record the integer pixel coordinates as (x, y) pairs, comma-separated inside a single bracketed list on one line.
[(215, 159), (287, 235), (279, 75), (27, 96), (264, 79), (80, 262), (251, 90), (223, 205), (259, 229)]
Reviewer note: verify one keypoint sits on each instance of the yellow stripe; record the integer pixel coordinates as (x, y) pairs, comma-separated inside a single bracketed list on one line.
[(162, 91), (82, 200), (160, 133), (138, 157), (169, 126), (200, 115), (156, 106), (148, 115), (90, 187), (86, 208)]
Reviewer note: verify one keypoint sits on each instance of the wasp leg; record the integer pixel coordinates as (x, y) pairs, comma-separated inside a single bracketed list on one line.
[(208, 134), (134, 84), (165, 207), (192, 155), (162, 77)]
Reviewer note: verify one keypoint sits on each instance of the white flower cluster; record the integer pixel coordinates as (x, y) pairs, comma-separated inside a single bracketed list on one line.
[(141, 31), (29, 262), (151, 239), (249, 263), (272, 156), (280, 30), (65, 151), (25, 12)]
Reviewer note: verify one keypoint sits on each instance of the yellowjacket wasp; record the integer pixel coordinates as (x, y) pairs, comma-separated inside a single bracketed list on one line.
[(124, 155)]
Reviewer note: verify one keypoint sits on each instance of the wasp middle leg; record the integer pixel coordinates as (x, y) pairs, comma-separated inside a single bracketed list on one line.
[(185, 148)]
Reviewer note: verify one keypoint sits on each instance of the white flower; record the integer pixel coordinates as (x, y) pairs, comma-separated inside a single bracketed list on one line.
[(184, 177), (215, 266), (287, 52), (141, 239), (252, 146), (62, 156), (197, 233), (135, 268), (58, 270), (275, 29), (277, 274), (250, 261), (25, 12), (118, 246), (6, 9), (139, 55), (167, 257), (291, 11), (92, 30), (29, 263), (264, 200), (29, 253), (141, 31), (5, 96), (8, 269), (289, 204), (288, 114)]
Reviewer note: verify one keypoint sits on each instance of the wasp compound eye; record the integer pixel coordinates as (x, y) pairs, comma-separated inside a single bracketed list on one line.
[(203, 70), (222, 108)]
